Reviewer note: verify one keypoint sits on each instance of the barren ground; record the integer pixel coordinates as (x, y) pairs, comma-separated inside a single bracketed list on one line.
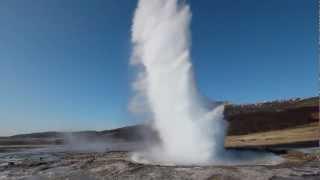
[(117, 165)]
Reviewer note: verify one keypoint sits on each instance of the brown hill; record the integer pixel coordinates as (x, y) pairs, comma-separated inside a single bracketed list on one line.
[(276, 123)]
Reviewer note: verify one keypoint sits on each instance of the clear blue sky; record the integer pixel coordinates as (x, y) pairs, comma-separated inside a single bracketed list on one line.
[(64, 63)]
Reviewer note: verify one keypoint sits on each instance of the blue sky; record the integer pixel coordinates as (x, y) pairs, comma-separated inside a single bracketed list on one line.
[(64, 64)]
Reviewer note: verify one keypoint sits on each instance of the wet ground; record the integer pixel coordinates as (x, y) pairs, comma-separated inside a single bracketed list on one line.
[(58, 163)]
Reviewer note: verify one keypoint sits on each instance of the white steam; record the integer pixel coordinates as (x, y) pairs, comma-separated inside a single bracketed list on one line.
[(189, 130)]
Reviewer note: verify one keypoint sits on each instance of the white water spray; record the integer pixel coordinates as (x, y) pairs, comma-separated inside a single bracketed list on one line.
[(191, 132)]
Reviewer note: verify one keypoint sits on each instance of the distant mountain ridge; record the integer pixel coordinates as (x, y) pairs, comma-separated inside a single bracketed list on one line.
[(243, 119)]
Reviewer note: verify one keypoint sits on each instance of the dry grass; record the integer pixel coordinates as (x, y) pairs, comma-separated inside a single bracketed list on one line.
[(309, 132)]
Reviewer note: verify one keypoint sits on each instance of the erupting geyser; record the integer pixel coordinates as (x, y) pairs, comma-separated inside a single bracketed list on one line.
[(191, 130)]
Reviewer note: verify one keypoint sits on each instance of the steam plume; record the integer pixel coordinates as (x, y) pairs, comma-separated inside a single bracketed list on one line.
[(189, 130)]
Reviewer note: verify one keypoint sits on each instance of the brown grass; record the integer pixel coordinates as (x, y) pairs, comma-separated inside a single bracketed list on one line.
[(305, 133)]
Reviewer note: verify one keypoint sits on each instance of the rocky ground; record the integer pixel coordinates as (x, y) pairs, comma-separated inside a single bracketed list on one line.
[(57, 164)]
